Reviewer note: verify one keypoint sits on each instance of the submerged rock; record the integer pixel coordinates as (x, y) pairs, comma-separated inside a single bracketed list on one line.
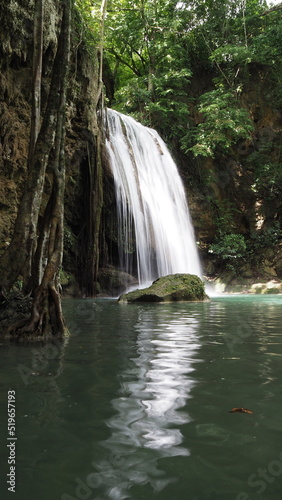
[(113, 282), (171, 288)]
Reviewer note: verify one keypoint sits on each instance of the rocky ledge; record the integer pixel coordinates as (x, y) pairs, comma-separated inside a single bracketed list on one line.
[(171, 288)]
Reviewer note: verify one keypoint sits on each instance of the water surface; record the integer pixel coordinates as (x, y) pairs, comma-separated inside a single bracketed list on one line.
[(136, 403)]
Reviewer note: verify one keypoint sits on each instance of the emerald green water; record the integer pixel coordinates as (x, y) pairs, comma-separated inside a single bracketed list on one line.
[(136, 403)]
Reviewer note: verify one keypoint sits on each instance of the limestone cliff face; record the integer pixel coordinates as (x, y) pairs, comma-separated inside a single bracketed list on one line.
[(15, 84), (82, 143)]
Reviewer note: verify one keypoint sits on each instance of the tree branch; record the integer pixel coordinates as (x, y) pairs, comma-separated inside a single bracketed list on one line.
[(119, 58), (273, 9)]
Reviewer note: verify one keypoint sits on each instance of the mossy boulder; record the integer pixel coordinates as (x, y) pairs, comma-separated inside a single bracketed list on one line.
[(171, 288)]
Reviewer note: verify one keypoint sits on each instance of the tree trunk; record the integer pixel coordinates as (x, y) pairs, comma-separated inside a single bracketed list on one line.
[(15, 262), (37, 74), (46, 317), (36, 101), (90, 255), (94, 181), (103, 11)]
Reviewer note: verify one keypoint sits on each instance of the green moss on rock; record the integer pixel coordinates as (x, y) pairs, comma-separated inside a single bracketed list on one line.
[(171, 288)]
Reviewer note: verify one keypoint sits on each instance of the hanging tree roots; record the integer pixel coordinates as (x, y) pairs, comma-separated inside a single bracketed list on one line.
[(32, 318)]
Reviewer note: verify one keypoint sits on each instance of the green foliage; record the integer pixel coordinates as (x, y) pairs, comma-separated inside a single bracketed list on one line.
[(263, 240), (18, 285), (155, 47), (232, 55), (266, 238), (225, 122), (229, 246), (64, 277), (267, 51), (133, 97), (268, 179), (267, 170), (138, 34), (225, 218), (169, 111), (87, 26), (266, 47)]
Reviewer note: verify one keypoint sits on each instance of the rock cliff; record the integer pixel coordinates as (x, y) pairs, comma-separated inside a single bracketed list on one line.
[(82, 142)]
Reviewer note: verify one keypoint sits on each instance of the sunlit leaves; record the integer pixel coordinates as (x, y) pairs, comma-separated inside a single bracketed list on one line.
[(87, 21), (232, 54), (155, 48), (224, 122), (137, 32), (229, 246)]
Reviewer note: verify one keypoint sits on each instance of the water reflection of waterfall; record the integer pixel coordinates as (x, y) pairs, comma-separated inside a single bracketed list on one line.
[(150, 409), (151, 203)]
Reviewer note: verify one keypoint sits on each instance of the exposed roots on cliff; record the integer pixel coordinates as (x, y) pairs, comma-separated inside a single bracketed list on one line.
[(32, 318)]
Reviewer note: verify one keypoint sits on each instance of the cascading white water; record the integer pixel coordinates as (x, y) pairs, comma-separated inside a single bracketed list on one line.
[(151, 203)]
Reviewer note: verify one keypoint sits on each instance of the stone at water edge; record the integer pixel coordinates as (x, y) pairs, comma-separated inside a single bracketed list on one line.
[(171, 288), (113, 282)]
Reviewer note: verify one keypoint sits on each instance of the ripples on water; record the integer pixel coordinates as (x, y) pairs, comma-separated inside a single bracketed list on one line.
[(135, 405), (149, 411)]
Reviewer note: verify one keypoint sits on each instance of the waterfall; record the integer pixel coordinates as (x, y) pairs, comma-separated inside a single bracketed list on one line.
[(151, 203)]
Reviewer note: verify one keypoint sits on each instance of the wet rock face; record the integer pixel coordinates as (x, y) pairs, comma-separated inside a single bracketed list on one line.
[(171, 288), (16, 51)]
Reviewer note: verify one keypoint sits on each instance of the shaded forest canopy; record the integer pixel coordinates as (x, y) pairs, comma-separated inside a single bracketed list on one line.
[(206, 75)]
